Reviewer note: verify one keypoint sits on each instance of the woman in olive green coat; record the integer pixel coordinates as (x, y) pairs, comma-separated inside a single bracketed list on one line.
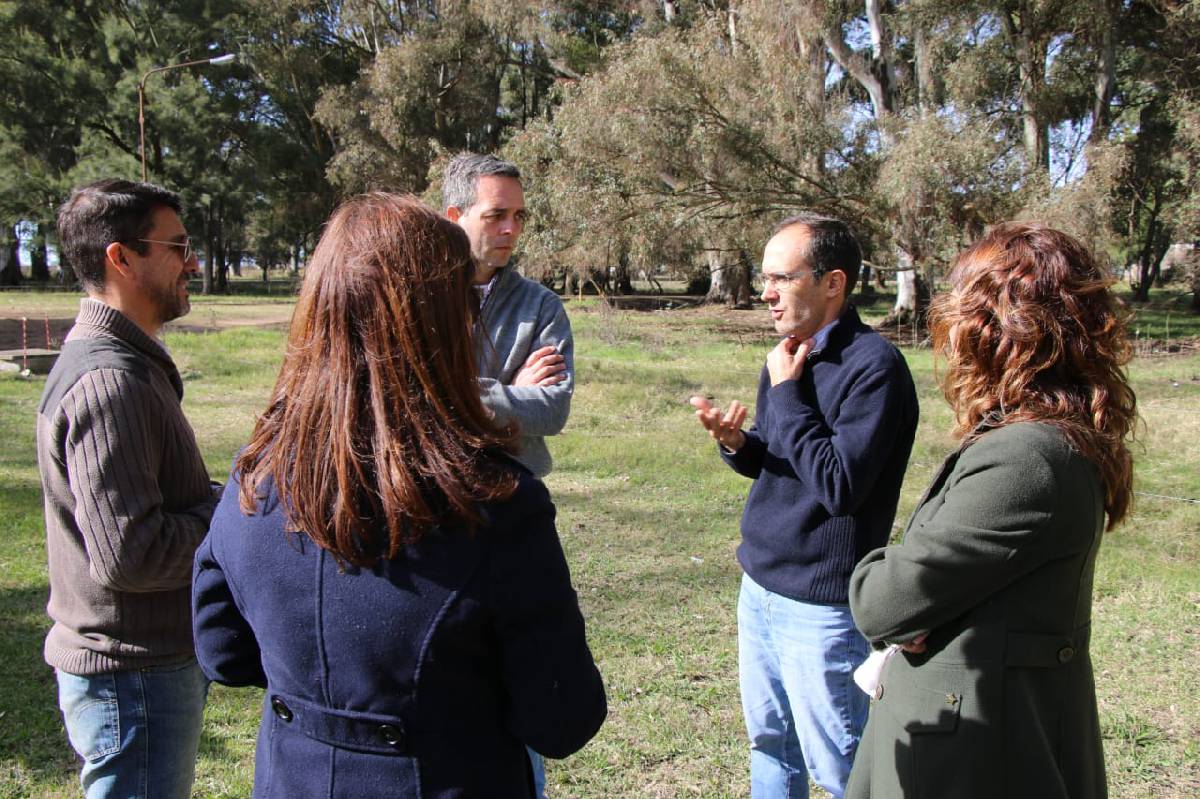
[(989, 691)]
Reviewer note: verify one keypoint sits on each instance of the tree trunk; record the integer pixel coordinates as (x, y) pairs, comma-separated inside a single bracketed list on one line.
[(912, 293), (1031, 66), (906, 295), (877, 76), (1147, 264), (39, 262), (928, 87), (865, 288), (1194, 260), (206, 284), (1106, 70), (743, 295), (598, 278), (206, 274), (220, 265), (622, 283), (812, 53), (729, 278), (720, 286), (296, 258), (10, 257)]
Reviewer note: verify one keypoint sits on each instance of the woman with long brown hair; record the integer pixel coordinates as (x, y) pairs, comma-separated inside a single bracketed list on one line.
[(989, 690), (383, 569)]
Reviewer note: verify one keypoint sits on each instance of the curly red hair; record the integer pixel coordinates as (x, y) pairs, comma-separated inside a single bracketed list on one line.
[(1032, 333)]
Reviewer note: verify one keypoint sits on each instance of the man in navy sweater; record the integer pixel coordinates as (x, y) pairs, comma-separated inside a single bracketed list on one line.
[(834, 425)]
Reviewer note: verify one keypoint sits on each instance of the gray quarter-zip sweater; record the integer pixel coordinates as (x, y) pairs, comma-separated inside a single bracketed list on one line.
[(127, 499), (518, 317)]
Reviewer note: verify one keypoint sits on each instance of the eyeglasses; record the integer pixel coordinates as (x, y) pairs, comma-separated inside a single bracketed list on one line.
[(186, 244), (780, 279)]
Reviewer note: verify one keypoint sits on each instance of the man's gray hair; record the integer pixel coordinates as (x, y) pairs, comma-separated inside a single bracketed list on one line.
[(462, 175)]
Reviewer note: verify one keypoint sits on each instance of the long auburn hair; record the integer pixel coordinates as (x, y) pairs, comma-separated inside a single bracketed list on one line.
[(1031, 332), (376, 431)]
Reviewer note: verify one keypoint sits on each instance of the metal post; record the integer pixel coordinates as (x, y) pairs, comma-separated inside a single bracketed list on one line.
[(221, 59), (142, 123)]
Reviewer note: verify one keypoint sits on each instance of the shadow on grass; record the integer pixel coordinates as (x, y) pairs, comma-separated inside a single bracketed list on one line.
[(31, 735)]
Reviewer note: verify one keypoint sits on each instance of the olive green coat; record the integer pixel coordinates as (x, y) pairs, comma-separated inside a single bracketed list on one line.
[(997, 565)]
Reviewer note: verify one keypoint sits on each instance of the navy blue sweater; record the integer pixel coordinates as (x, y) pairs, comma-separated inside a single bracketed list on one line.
[(827, 454)]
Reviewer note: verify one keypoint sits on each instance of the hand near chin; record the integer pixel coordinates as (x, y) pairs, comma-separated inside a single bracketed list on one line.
[(786, 361)]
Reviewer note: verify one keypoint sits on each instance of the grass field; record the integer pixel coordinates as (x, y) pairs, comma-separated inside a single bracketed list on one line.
[(649, 519)]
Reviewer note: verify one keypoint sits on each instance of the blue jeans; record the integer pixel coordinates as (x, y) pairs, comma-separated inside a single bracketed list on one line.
[(803, 712), (137, 731), (538, 766)]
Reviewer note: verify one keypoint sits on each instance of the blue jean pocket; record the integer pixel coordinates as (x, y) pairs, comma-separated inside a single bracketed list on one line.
[(90, 711)]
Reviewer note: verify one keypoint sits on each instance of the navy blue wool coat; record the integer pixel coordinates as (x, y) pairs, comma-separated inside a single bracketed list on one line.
[(424, 676)]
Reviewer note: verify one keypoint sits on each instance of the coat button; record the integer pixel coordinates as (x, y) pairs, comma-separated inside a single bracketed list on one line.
[(281, 709), (1065, 654), (392, 735)]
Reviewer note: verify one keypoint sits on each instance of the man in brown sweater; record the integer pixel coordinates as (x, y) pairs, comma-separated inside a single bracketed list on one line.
[(127, 497)]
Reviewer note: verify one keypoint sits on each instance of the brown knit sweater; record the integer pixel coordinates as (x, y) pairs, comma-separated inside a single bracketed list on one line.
[(127, 495)]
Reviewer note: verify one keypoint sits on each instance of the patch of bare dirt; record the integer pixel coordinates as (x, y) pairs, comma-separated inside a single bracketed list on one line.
[(34, 335)]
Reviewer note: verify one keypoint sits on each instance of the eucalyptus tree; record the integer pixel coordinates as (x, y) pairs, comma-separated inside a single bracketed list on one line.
[(692, 141), (454, 75)]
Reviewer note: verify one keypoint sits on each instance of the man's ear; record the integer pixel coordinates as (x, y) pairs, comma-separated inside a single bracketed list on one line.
[(837, 282), (114, 253), (453, 213)]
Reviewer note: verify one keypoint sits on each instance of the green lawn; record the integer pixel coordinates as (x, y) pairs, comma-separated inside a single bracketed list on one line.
[(649, 518)]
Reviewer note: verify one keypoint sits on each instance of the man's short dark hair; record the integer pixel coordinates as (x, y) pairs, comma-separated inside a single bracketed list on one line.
[(109, 210), (831, 245), (462, 175)]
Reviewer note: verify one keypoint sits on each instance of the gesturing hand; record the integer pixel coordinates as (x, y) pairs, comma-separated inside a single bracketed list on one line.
[(727, 428), (786, 361), (544, 367)]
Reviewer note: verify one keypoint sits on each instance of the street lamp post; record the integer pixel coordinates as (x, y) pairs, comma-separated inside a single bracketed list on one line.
[(221, 59)]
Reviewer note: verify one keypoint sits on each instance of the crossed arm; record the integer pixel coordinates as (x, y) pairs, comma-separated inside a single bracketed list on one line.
[(544, 367), (538, 395)]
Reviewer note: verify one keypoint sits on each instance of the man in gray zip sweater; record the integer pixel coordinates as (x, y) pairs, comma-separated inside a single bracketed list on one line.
[(526, 354), (526, 368), (127, 499)]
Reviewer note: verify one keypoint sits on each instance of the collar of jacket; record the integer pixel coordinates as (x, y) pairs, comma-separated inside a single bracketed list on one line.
[(837, 331), (97, 320), (506, 277)]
